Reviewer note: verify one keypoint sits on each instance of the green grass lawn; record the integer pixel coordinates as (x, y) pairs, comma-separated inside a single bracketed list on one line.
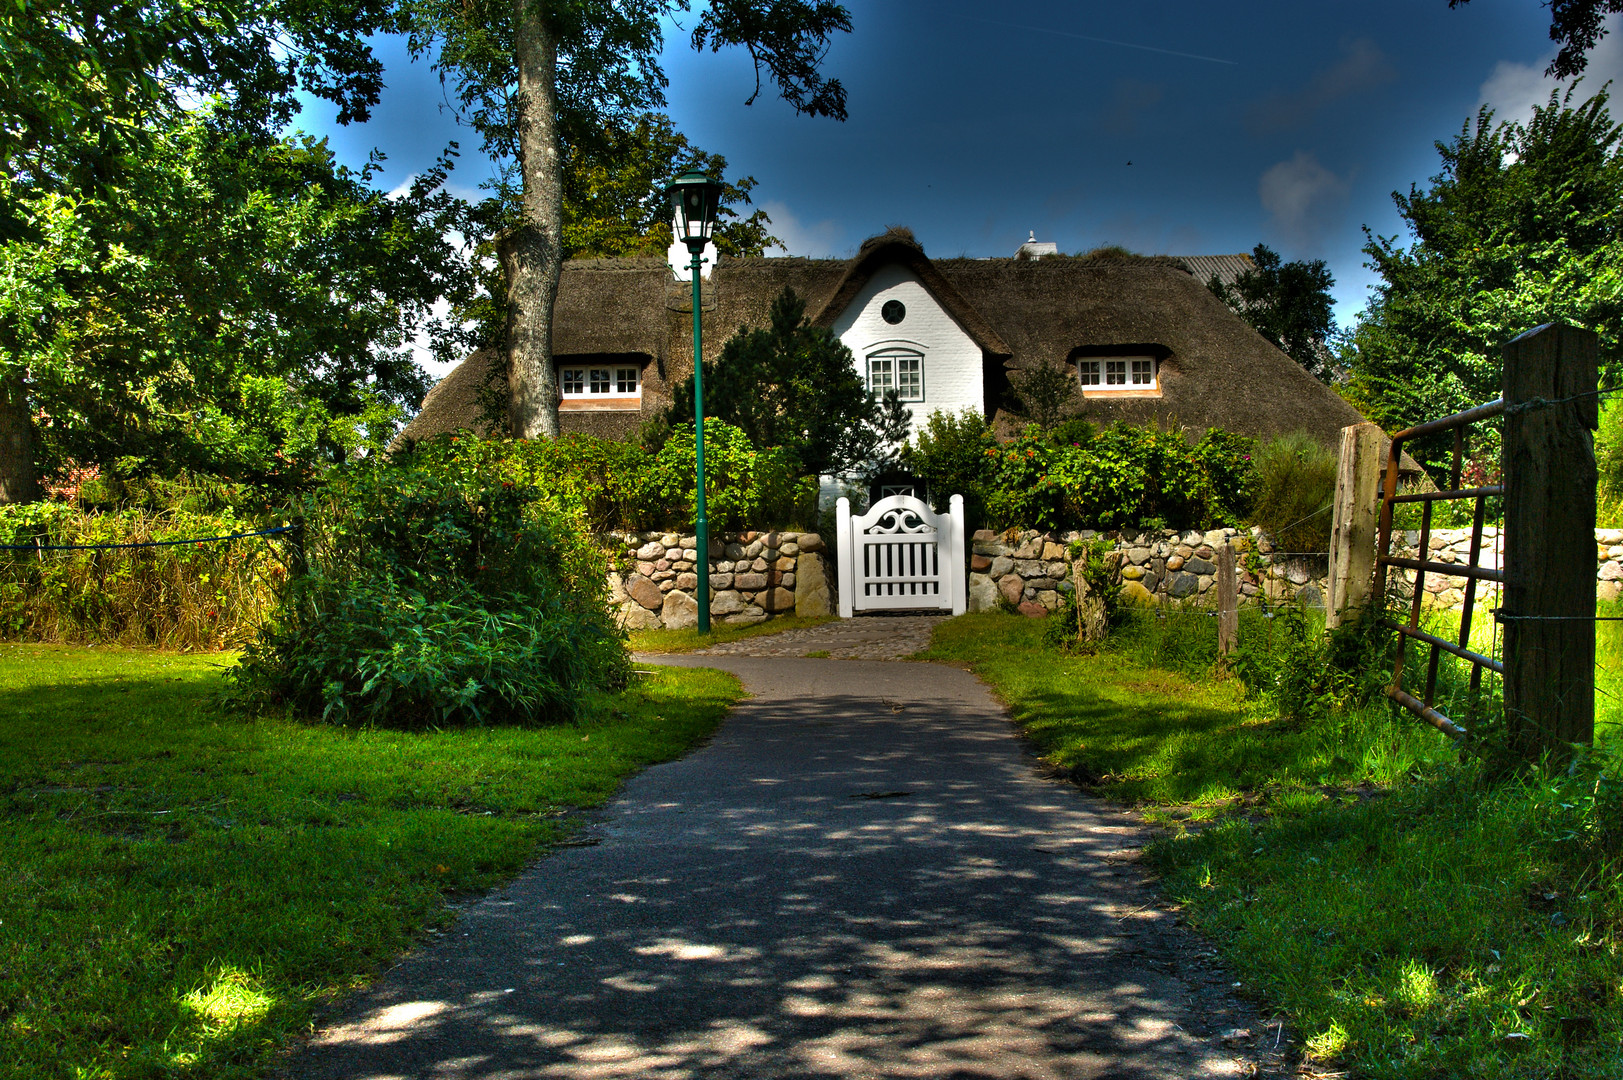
[(183, 885), (1414, 919)]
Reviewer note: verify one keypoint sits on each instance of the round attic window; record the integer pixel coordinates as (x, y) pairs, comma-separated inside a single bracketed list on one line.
[(893, 312)]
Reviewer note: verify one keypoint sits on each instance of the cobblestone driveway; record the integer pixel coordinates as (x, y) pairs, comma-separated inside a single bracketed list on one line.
[(867, 637)]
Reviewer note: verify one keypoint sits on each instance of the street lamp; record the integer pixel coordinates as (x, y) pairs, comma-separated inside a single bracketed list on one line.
[(695, 199)]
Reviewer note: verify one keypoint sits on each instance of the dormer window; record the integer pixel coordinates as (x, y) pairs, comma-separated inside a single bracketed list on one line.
[(609, 383), (1105, 374)]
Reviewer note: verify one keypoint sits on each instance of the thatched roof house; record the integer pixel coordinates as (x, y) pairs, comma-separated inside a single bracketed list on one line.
[(1148, 342)]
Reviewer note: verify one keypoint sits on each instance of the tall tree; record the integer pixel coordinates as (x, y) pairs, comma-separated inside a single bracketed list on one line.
[(232, 303), (1575, 25), (1289, 303), (84, 83), (1520, 228), (537, 75)]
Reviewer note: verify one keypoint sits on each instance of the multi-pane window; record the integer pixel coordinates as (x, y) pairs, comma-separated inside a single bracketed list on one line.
[(599, 381), (1125, 373), (902, 372)]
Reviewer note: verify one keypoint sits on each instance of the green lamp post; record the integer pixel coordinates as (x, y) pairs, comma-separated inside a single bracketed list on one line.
[(695, 199)]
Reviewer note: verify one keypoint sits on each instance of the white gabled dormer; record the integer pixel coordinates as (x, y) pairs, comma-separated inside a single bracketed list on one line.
[(902, 338)]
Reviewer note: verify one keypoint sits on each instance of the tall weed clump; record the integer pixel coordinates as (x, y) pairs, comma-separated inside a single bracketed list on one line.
[(439, 592), (181, 596), (1295, 484)]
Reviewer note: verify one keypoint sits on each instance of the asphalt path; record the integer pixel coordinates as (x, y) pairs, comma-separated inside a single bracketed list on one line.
[(864, 874)]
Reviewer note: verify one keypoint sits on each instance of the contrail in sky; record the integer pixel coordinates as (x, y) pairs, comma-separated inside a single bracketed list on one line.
[(1099, 40)]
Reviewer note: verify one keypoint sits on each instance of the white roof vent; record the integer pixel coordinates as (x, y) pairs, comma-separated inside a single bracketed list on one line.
[(1036, 249)]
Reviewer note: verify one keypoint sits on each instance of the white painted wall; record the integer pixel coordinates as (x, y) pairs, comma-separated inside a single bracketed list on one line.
[(953, 376)]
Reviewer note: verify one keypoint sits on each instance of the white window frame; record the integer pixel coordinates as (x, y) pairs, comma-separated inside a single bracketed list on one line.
[(1118, 374), (578, 382), (895, 362)]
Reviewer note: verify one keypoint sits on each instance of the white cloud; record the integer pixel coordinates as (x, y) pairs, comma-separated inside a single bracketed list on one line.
[(1300, 195), (1513, 89), (816, 239)]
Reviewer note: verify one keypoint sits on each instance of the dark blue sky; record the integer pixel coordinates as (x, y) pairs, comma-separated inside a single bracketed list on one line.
[(1283, 122)]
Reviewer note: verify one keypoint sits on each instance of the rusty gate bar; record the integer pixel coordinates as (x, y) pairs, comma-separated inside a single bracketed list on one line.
[(1424, 707)]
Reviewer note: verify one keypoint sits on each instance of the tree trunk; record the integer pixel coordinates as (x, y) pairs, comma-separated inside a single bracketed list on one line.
[(19, 483), (532, 254)]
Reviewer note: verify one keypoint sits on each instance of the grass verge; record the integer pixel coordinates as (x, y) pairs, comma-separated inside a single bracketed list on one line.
[(1414, 918), (183, 886), (681, 641)]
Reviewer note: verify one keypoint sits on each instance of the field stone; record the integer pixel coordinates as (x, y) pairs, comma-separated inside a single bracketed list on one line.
[(727, 602), (669, 540), (784, 563), (1196, 566), (749, 582), (1001, 566), (687, 581), (1056, 569), (1132, 573), (1138, 595), (1033, 610), (1310, 596), (651, 551), (982, 593), (617, 589), (1206, 582), (788, 579), (1611, 572), (1609, 590), (680, 611), (789, 549), (1012, 586), (979, 564), (1298, 574), (1182, 584), (749, 617), (812, 595), (1138, 555), (735, 551), (662, 564), (754, 549), (721, 581), (690, 554), (991, 547), (1052, 551), (1175, 562), (1041, 583), (1049, 599), (1030, 549), (779, 599), (810, 543), (1028, 568), (633, 616), (644, 592)]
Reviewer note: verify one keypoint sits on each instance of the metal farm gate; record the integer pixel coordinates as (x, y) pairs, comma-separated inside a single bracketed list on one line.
[(901, 555)]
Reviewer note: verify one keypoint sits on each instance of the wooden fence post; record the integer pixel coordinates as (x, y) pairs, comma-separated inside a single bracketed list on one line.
[(1228, 601), (1352, 534), (1548, 461)]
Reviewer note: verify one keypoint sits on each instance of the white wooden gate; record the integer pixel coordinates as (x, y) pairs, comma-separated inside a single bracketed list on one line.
[(901, 555)]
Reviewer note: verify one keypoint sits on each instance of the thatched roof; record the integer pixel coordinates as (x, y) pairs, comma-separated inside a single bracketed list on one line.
[(1215, 370)]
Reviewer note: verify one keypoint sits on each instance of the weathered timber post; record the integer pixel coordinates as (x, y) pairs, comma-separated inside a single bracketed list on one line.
[(1228, 601), (1352, 535), (1548, 461)]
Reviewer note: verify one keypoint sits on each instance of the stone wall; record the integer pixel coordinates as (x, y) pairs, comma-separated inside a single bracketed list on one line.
[(1033, 571), (754, 576)]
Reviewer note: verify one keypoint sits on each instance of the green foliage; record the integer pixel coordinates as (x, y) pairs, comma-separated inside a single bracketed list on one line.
[(614, 193), (1124, 476), (186, 890), (1095, 606), (744, 487), (236, 304), (1519, 229), (949, 453), (1609, 464), (1287, 303), (439, 594), (613, 485), (1044, 393), (1296, 483), (795, 385), (202, 596)]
